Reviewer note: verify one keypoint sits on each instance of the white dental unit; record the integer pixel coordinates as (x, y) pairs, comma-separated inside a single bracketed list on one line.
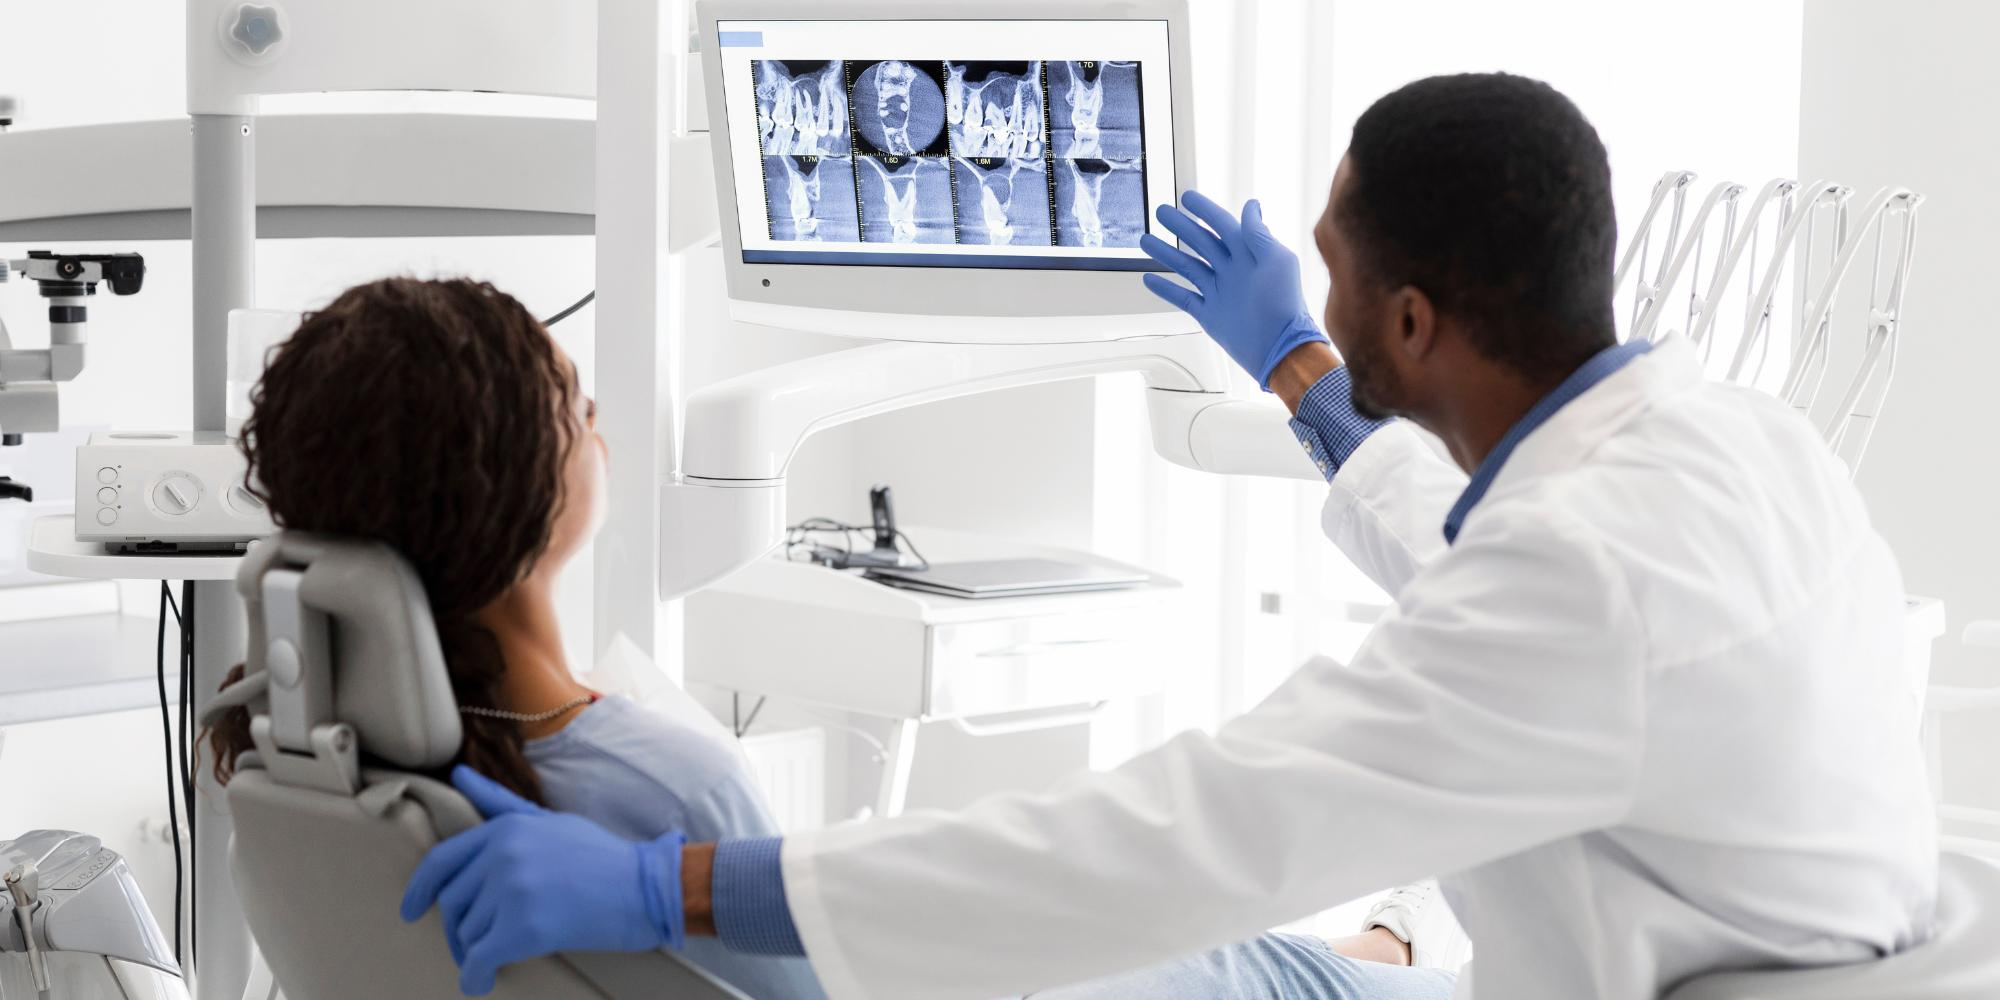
[(988, 240), (1006, 262)]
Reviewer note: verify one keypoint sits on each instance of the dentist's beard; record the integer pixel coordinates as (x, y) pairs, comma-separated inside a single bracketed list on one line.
[(1372, 385)]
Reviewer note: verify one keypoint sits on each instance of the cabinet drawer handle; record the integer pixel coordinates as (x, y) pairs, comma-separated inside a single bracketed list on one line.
[(1028, 722), (1047, 646)]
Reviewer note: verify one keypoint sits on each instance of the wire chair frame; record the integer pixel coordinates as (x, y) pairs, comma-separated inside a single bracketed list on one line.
[(1669, 192)]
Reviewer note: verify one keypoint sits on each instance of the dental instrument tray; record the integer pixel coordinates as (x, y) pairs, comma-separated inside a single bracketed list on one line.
[(1007, 578)]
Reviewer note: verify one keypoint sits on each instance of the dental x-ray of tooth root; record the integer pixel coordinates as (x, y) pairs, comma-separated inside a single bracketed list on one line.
[(1003, 202), (997, 117), (1095, 111), (1100, 203), (985, 153), (996, 109), (905, 199), (810, 199), (1097, 133), (898, 106), (802, 108)]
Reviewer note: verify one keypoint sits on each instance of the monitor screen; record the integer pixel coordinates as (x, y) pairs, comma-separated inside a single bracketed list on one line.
[(1037, 144)]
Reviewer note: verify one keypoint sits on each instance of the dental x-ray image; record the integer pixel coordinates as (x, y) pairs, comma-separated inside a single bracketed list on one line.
[(810, 199), (802, 108), (905, 199), (898, 107), (1100, 203), (1002, 202), (995, 108), (1094, 111), (969, 152)]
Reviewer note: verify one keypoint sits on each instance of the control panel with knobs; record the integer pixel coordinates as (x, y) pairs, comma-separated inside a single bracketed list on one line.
[(166, 492)]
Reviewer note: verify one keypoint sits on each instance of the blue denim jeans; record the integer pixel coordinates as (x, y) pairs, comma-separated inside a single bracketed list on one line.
[(1271, 967)]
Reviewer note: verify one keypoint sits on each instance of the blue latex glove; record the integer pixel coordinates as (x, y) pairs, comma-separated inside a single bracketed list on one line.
[(529, 882), (1246, 283)]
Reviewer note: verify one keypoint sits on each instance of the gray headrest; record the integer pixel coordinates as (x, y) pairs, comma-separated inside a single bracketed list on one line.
[(389, 680)]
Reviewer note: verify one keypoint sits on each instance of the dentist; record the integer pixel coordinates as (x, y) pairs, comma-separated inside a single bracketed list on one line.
[(1638, 703)]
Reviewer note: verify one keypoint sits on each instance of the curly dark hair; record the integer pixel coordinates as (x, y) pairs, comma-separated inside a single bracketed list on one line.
[(431, 416), (1492, 194)]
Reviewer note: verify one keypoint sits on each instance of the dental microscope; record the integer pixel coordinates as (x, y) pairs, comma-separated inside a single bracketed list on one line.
[(29, 376)]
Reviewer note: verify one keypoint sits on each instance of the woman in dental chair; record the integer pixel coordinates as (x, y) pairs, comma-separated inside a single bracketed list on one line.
[(439, 417)]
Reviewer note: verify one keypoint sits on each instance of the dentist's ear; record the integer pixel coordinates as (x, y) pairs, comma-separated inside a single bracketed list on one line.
[(1415, 318)]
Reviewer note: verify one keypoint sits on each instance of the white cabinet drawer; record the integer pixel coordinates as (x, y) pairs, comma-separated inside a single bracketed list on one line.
[(1019, 664)]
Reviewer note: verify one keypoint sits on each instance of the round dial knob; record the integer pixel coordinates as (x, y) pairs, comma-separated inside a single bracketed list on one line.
[(176, 494), (244, 502)]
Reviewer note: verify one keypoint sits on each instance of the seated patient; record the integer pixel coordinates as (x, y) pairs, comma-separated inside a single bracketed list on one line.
[(439, 417)]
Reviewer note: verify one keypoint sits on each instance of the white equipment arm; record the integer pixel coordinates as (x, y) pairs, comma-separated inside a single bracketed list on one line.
[(1723, 196), (1672, 187), (741, 434), (1852, 421), (1741, 252), (1795, 239)]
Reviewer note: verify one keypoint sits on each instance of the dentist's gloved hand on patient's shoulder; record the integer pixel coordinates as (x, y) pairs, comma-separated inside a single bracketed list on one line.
[(529, 882), (1246, 284)]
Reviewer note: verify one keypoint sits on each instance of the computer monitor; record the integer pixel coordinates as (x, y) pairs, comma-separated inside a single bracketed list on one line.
[(963, 171)]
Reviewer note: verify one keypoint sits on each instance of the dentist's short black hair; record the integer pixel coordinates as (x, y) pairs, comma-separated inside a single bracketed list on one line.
[(1491, 194)]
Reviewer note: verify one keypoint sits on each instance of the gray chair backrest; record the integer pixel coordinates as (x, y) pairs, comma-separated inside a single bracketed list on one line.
[(1960, 962), (346, 660)]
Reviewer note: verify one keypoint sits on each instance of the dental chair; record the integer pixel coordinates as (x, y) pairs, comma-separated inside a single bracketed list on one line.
[(1961, 961), (351, 710)]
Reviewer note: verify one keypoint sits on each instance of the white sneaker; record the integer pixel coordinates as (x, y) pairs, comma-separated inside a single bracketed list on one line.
[(1419, 916)]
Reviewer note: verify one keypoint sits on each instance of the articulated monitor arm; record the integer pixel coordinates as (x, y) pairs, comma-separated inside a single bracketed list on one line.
[(726, 508), (28, 377)]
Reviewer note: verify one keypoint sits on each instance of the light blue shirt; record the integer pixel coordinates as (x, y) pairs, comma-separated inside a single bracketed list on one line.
[(1328, 425), (640, 774)]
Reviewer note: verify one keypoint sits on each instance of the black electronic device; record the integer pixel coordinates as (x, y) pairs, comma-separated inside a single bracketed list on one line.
[(814, 535), (883, 513)]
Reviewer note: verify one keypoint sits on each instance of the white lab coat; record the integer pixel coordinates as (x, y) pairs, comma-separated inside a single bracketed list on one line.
[(1644, 719)]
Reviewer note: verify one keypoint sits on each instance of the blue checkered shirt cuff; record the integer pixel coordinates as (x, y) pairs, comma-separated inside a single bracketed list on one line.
[(751, 914), (1328, 426)]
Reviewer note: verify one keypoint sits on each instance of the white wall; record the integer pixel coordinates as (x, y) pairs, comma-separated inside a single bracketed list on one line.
[(1901, 93)]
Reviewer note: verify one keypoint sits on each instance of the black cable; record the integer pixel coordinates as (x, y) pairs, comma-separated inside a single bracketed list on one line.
[(800, 535), (187, 703), (752, 720), (571, 311), (187, 723), (167, 739), (922, 563)]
